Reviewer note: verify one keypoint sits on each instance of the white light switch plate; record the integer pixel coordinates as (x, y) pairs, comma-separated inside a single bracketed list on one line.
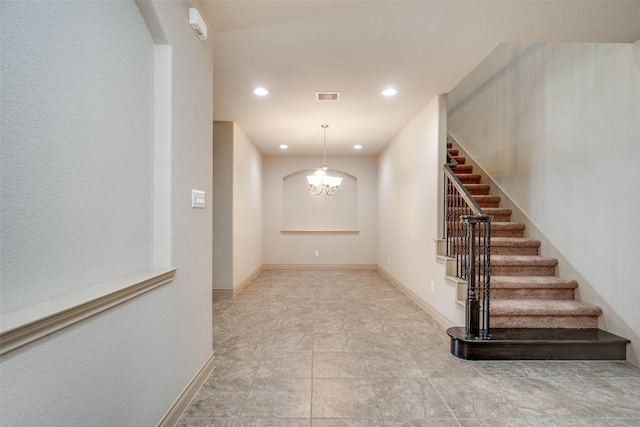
[(197, 199)]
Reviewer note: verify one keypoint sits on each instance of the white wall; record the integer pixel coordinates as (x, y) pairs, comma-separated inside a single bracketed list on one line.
[(63, 209), (345, 249), (223, 205), (247, 207), (409, 173), (80, 158), (556, 126), (237, 216)]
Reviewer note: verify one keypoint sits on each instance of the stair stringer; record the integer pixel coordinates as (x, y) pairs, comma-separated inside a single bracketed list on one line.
[(609, 320)]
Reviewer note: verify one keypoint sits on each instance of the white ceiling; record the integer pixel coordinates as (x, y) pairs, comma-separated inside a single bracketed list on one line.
[(422, 48)]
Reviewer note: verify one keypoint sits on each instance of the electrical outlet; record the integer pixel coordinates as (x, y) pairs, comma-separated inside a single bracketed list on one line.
[(433, 286), (251, 260), (317, 253), (389, 260)]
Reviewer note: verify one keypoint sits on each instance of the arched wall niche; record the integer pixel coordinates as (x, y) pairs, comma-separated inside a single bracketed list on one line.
[(305, 212)]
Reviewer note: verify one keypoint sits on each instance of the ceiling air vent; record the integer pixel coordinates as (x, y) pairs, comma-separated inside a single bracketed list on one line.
[(327, 96)]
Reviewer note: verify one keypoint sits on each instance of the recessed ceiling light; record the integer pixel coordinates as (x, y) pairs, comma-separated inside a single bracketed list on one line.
[(260, 91), (357, 147), (283, 146), (389, 91)]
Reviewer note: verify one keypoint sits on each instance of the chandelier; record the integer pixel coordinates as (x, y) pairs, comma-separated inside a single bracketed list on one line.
[(320, 182)]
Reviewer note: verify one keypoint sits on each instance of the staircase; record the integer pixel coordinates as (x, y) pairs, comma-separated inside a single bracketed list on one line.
[(526, 294)]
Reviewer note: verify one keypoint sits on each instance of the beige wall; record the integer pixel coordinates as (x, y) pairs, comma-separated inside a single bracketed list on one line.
[(346, 249), (409, 174), (247, 207), (237, 215), (222, 205)]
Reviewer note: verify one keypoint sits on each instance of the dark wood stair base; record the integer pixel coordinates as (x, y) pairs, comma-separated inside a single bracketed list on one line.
[(540, 344)]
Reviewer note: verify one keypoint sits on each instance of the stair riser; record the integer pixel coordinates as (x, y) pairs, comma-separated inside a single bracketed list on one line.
[(478, 191), (482, 203), (514, 250), (488, 203), (502, 217), (463, 169), (495, 232), (522, 270), (507, 233), (529, 322), (501, 250), (497, 294), (517, 270), (460, 160), (474, 189)]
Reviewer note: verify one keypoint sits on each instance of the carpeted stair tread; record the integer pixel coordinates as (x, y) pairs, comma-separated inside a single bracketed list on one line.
[(469, 178), (515, 242), (478, 189), (463, 169), (506, 229), (537, 282), (498, 211), (552, 307), (514, 246), (452, 151), (532, 287), (498, 214), (487, 200), (523, 260), (459, 159), (506, 225)]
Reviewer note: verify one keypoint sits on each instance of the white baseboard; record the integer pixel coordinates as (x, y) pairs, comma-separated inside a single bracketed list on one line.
[(319, 266), (246, 281), (173, 414), (443, 321), (223, 293), (230, 293)]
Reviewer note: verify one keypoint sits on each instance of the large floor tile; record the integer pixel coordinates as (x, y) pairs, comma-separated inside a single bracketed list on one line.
[(219, 398), (338, 364), (278, 398), (536, 398), (344, 398), (285, 364), (605, 397), (342, 422), (273, 422), (475, 398), (409, 398)]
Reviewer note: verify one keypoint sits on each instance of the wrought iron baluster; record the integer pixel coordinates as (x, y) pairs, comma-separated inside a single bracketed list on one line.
[(468, 240)]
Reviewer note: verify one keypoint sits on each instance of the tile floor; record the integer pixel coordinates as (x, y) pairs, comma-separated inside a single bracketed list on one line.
[(329, 348)]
